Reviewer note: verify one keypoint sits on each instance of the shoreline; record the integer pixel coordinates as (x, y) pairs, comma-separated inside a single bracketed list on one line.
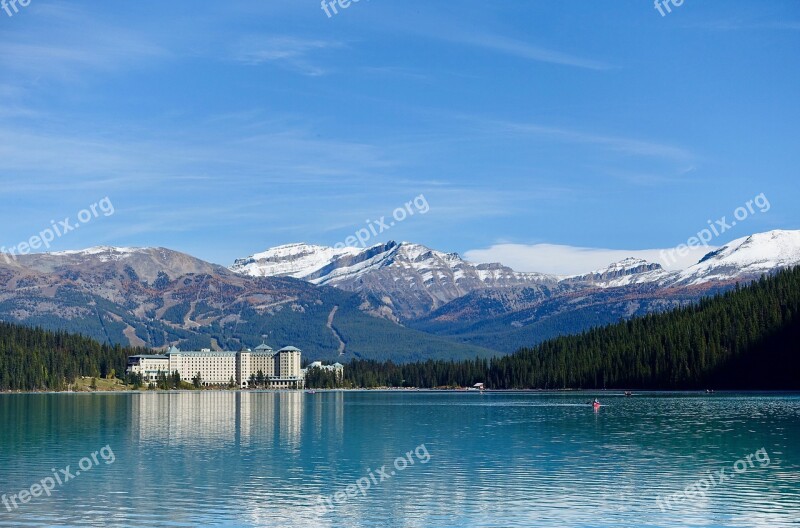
[(606, 392)]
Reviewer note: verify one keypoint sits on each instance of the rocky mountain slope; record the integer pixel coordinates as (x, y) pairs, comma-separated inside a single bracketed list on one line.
[(496, 307), (400, 281), (407, 282), (429, 303), (158, 297)]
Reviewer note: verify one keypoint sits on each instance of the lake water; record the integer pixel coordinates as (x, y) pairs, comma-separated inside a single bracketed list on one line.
[(412, 459)]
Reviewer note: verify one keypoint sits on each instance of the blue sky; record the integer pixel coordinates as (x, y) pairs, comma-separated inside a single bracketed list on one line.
[(224, 128)]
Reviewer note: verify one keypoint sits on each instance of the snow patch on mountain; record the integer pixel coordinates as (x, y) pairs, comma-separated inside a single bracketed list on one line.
[(103, 253), (327, 265), (292, 260), (407, 265), (623, 273), (417, 279)]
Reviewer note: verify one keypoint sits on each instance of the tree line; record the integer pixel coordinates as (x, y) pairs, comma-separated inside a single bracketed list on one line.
[(36, 359)]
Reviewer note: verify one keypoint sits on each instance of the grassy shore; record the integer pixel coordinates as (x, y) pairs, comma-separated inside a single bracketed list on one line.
[(84, 384)]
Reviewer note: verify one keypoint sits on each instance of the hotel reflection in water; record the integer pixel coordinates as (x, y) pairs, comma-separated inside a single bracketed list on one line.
[(235, 417)]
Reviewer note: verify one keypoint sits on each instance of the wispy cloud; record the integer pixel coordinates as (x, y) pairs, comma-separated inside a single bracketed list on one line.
[(475, 31), (57, 45), (748, 25), (524, 50), (290, 52), (287, 156), (650, 178), (624, 145), (397, 71)]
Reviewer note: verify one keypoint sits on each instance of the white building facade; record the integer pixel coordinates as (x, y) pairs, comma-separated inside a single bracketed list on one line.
[(281, 369)]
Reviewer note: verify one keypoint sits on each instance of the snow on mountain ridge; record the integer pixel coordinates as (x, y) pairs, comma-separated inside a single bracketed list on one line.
[(324, 264), (294, 260), (103, 253), (625, 272), (415, 278), (745, 257), (626, 265), (96, 250)]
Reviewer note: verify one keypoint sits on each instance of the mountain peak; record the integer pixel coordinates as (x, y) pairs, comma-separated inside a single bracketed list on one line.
[(627, 271), (99, 250), (630, 263), (145, 262), (746, 257), (414, 277), (293, 260)]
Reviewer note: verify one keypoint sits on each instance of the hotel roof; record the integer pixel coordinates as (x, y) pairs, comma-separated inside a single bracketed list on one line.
[(175, 350), (204, 353)]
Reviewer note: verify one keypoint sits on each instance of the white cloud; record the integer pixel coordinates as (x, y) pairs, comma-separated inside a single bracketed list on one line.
[(569, 260)]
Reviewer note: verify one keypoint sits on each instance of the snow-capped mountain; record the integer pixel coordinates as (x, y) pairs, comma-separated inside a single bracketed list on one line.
[(146, 263), (745, 258), (156, 296), (104, 253), (293, 260), (742, 259), (623, 273), (407, 279)]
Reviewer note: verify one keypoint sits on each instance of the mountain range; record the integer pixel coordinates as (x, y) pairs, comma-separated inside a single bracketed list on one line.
[(399, 301)]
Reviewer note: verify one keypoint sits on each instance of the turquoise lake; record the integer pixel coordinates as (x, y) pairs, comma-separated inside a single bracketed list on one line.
[(410, 459)]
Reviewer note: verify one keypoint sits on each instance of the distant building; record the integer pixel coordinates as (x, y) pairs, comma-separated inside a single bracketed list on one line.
[(281, 368)]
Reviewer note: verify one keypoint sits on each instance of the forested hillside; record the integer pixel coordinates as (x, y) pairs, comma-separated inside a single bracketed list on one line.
[(32, 359), (748, 338)]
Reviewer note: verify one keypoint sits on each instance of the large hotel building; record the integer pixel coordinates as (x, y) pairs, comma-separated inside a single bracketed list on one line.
[(281, 368)]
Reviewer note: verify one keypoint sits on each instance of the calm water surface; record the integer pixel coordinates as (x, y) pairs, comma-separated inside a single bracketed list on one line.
[(495, 459)]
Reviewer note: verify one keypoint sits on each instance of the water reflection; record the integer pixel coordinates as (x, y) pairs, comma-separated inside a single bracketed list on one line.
[(224, 418), (247, 459)]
